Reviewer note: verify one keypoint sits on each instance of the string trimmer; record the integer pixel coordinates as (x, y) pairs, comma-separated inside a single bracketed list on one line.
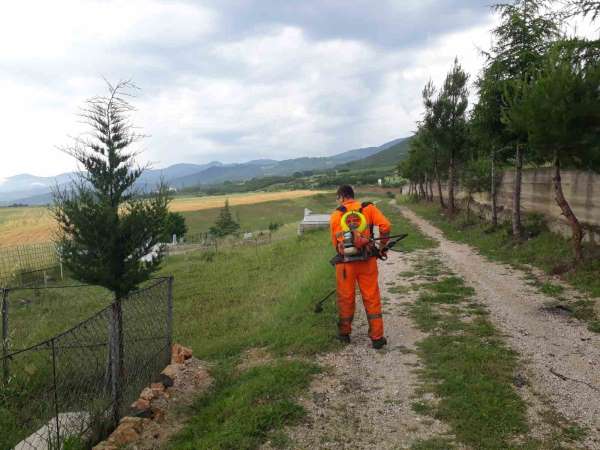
[(379, 253), (319, 305)]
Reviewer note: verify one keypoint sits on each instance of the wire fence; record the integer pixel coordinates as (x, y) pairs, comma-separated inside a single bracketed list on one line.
[(26, 265), (209, 243), (70, 390)]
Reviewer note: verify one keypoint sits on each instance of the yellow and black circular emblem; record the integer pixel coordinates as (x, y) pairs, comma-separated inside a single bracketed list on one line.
[(354, 221)]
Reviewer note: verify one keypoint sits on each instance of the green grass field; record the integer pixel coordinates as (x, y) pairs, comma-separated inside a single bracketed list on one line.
[(244, 300), (225, 303), (38, 314), (258, 216), (229, 302)]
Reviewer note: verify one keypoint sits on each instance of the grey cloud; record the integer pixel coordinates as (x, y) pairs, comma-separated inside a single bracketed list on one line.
[(387, 23), (271, 78)]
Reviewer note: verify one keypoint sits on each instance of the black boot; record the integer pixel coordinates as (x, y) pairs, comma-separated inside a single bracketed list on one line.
[(379, 343), (344, 338)]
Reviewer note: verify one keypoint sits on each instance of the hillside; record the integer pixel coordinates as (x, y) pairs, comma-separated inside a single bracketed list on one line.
[(388, 157), (32, 190), (269, 167)]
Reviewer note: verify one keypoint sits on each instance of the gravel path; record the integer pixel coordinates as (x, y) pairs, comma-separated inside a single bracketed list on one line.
[(561, 357), (363, 400)]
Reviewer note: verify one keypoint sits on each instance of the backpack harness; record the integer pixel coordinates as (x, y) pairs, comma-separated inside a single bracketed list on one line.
[(355, 246)]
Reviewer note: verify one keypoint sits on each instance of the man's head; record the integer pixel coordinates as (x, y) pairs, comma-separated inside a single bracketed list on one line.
[(344, 193)]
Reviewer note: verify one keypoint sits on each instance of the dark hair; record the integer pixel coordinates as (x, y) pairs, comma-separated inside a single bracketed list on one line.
[(345, 191)]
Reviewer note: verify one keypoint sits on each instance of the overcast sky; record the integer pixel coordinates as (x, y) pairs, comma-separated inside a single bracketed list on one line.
[(228, 80)]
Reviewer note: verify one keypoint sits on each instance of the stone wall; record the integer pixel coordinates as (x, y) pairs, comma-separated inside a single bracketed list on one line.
[(582, 190)]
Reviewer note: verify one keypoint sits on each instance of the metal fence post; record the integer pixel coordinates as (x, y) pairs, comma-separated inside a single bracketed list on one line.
[(55, 385), (169, 317), (116, 358), (5, 368)]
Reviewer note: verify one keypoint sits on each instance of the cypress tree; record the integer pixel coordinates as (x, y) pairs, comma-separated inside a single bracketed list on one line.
[(225, 223)]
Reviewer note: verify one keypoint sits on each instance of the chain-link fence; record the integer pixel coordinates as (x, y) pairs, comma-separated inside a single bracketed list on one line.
[(69, 391), (24, 265)]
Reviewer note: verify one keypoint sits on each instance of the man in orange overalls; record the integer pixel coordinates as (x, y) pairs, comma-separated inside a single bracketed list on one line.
[(351, 227)]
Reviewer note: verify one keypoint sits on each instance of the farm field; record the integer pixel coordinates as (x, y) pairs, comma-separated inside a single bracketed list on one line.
[(26, 225), (258, 216), (30, 225), (193, 203)]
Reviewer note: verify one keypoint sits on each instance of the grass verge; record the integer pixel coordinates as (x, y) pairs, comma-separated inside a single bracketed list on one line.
[(544, 249), (260, 297), (242, 410), (469, 368)]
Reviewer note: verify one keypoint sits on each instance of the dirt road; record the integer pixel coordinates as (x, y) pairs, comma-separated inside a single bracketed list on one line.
[(561, 357), (363, 400)]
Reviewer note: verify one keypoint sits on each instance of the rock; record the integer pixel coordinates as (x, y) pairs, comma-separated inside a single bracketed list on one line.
[(186, 352), (166, 381), (179, 354), (145, 414), (171, 371), (141, 404), (136, 423), (158, 415), (158, 387), (105, 446), (201, 376), (147, 394), (176, 355), (128, 431)]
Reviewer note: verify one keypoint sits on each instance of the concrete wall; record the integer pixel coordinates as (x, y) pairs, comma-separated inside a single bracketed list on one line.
[(582, 190)]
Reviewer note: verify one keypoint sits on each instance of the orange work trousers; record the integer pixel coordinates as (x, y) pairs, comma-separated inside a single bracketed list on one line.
[(366, 274)]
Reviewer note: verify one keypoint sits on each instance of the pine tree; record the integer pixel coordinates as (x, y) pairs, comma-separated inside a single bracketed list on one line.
[(452, 102), (429, 136), (225, 224), (523, 37), (487, 128), (560, 111), (104, 227)]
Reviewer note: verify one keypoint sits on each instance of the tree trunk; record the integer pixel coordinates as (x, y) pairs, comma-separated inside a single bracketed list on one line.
[(469, 199), (568, 212), (517, 229), (439, 185), (493, 192), (421, 190), (116, 359), (430, 191), (451, 205)]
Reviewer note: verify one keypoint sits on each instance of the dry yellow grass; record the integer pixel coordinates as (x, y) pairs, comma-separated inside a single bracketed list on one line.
[(25, 226), (32, 225), (182, 204)]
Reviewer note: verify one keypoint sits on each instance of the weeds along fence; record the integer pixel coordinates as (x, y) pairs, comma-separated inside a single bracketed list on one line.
[(25, 265), (70, 390)]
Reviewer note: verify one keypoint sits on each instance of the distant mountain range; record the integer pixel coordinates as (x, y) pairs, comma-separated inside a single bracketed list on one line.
[(32, 190), (389, 156)]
